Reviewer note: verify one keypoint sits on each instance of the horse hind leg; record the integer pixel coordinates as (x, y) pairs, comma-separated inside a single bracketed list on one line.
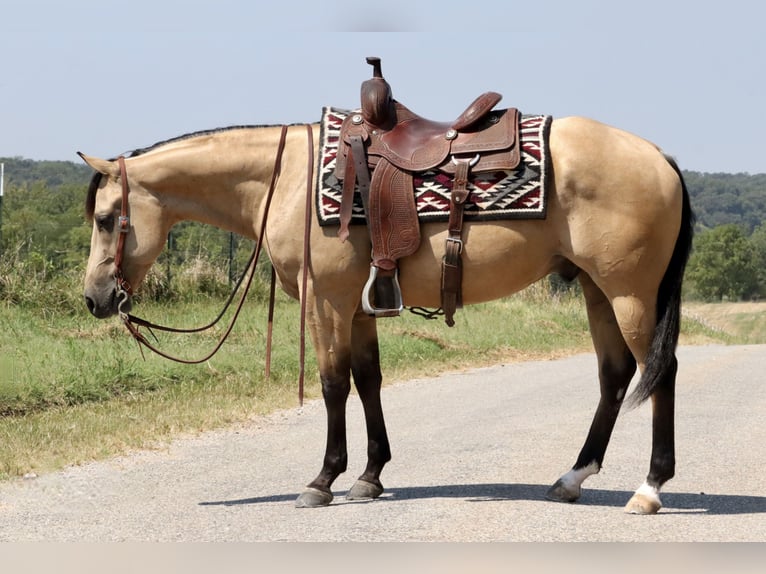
[(365, 367), (616, 368), (654, 347), (626, 334), (660, 366), (652, 340)]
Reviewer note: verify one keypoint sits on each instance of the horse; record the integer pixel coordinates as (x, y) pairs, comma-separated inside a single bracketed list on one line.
[(618, 220)]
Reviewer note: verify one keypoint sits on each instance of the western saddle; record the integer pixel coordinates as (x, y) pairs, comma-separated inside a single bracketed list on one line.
[(380, 149)]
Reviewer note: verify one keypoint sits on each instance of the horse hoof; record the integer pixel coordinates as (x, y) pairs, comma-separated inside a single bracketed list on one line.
[(643, 504), (363, 490), (561, 492), (313, 498)]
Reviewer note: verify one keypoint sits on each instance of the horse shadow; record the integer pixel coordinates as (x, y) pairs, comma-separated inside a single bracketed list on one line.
[(673, 502)]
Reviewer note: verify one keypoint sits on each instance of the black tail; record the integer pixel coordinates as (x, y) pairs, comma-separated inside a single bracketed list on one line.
[(661, 360)]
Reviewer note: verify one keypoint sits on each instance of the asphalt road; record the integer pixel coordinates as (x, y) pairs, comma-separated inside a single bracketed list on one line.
[(474, 453)]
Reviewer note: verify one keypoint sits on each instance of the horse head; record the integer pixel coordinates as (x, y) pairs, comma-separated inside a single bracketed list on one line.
[(128, 235)]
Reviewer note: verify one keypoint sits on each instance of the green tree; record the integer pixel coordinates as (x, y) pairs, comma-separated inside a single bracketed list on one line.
[(46, 224), (723, 266)]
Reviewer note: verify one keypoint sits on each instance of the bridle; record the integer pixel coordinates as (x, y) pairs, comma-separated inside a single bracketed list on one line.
[(124, 290)]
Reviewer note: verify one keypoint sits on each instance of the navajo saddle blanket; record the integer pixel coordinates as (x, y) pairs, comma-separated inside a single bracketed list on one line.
[(517, 194)]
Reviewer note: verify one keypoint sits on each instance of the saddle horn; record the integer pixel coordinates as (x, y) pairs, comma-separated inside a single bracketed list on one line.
[(377, 99), (374, 61)]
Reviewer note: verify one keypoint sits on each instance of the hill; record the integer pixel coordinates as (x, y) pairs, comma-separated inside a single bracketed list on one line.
[(21, 172), (723, 198)]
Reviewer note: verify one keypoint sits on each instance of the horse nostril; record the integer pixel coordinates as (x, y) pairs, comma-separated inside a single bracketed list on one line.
[(91, 305)]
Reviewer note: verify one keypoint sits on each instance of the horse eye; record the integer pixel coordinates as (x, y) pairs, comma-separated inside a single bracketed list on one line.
[(105, 222)]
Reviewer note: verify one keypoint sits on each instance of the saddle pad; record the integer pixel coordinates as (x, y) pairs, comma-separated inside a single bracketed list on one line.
[(517, 194)]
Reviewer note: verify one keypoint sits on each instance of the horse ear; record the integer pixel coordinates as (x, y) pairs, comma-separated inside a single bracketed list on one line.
[(101, 165)]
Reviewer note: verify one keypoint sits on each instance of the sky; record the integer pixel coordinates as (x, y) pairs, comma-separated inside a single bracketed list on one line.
[(106, 77)]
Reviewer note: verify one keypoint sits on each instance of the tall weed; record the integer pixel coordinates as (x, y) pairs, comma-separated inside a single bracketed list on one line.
[(32, 282)]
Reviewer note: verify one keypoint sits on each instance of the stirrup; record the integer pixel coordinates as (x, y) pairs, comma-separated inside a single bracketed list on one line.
[(368, 306)]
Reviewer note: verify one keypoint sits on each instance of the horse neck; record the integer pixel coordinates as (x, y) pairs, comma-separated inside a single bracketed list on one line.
[(220, 179)]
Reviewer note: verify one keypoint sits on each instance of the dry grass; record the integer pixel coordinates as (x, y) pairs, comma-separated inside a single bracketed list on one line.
[(743, 322)]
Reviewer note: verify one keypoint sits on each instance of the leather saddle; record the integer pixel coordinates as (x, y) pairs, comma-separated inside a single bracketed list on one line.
[(381, 147)]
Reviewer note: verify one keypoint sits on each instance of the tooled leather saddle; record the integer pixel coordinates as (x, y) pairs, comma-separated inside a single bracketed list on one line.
[(381, 147)]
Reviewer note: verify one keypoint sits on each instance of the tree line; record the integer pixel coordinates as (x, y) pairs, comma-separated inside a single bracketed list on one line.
[(42, 226)]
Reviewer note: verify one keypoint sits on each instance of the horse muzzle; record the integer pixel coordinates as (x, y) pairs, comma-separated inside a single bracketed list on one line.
[(108, 302)]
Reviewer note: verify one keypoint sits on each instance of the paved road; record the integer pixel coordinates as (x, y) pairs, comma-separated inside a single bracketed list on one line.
[(473, 456)]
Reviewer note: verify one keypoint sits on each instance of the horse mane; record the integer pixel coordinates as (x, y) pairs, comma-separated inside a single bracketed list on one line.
[(95, 182)]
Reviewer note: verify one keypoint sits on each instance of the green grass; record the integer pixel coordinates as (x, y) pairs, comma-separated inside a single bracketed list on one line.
[(73, 389)]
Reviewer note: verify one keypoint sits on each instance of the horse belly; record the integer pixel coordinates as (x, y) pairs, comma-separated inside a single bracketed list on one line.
[(499, 258)]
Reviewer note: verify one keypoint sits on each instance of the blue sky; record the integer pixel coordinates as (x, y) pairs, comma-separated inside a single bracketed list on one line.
[(105, 77)]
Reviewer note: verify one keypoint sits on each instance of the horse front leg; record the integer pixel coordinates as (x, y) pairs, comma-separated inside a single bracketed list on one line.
[(616, 367), (332, 338), (365, 366)]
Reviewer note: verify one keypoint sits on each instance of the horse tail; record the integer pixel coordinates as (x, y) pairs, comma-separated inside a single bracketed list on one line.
[(661, 364)]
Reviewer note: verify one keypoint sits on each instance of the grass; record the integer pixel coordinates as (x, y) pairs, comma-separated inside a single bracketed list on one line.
[(73, 389), (741, 322)]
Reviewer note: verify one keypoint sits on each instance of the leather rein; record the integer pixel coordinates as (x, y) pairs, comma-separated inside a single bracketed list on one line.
[(124, 289)]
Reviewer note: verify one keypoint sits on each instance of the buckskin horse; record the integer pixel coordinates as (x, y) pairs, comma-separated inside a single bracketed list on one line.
[(618, 218)]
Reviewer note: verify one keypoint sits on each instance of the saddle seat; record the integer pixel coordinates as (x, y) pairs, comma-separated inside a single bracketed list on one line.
[(416, 144), (393, 143)]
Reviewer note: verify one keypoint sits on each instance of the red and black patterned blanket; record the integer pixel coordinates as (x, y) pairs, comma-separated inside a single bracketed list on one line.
[(517, 194)]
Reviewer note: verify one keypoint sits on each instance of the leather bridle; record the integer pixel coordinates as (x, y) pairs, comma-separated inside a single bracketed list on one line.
[(124, 289)]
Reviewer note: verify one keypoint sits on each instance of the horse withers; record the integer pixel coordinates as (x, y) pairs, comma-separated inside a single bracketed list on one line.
[(618, 217)]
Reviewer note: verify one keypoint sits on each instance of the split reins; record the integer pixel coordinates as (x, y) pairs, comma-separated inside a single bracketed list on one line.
[(124, 289)]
